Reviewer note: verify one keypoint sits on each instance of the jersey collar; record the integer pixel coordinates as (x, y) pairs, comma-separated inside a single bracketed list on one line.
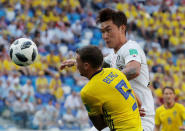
[(96, 73)]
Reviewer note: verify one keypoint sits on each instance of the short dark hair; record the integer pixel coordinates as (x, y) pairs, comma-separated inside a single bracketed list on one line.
[(167, 87), (92, 55), (117, 17)]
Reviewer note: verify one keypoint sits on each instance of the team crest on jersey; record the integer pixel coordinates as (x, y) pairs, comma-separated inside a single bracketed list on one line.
[(169, 120), (120, 63)]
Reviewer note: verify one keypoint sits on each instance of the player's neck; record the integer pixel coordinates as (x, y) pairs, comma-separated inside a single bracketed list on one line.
[(120, 45), (93, 72), (169, 105)]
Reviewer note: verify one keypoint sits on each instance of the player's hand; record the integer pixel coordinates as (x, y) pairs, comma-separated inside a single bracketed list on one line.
[(67, 63), (142, 112), (182, 128)]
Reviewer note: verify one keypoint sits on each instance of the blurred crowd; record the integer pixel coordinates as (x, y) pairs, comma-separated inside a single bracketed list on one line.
[(41, 96)]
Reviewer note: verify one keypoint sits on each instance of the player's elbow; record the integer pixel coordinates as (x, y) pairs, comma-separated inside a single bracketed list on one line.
[(137, 73), (99, 128), (137, 69)]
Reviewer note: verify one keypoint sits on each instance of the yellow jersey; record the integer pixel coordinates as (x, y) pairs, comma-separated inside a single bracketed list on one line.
[(109, 93), (170, 119)]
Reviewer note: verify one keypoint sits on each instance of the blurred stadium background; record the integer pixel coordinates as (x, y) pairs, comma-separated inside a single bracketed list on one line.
[(41, 94)]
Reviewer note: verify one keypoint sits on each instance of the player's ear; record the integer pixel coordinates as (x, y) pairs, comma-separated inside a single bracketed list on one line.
[(123, 28), (86, 65)]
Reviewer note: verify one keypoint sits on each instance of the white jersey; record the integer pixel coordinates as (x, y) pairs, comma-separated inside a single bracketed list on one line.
[(128, 52)]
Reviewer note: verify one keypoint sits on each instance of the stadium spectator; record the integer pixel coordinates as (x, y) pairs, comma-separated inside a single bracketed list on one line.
[(69, 119), (40, 120), (20, 111), (56, 87), (38, 104), (10, 99), (50, 109), (82, 117), (14, 78), (1, 89), (52, 59), (28, 88), (73, 101), (77, 28), (42, 83)]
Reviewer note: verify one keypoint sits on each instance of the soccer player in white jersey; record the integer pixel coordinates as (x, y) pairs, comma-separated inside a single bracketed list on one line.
[(128, 57)]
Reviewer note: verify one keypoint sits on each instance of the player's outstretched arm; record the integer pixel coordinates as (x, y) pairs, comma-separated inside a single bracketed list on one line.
[(132, 69), (98, 122), (67, 63)]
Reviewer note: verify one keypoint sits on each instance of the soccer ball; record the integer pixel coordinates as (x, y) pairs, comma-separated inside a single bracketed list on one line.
[(23, 51)]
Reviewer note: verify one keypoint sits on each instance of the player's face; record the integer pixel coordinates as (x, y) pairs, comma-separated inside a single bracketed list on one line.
[(111, 34), (169, 96), (80, 66)]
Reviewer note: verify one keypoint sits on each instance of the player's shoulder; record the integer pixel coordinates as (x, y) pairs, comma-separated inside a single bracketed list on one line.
[(93, 83), (86, 88), (179, 106), (131, 43), (160, 109)]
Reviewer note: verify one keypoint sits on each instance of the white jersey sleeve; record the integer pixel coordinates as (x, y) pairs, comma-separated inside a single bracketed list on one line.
[(108, 59), (132, 53)]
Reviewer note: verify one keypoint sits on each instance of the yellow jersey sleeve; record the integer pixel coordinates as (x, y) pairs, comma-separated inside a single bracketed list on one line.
[(157, 118), (182, 112), (92, 104)]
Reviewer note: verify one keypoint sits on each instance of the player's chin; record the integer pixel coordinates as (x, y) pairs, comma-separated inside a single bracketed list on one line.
[(109, 45)]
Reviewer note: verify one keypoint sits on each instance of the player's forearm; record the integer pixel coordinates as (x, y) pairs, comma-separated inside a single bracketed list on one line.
[(132, 70), (157, 128)]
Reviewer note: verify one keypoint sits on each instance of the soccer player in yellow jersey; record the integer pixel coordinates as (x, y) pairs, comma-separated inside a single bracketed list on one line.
[(107, 96), (170, 115)]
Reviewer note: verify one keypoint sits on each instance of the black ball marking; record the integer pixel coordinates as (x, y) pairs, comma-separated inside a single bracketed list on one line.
[(11, 52), (21, 57), (34, 54), (25, 45), (16, 42)]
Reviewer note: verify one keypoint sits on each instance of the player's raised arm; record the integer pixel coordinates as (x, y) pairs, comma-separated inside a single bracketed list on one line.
[(67, 63)]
